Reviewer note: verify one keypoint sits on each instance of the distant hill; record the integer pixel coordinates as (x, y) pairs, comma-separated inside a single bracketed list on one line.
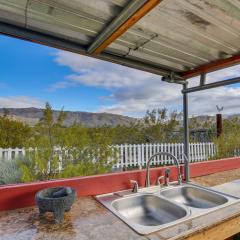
[(203, 118), (32, 115)]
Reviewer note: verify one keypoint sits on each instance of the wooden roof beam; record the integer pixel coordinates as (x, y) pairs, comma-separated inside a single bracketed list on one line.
[(212, 66), (131, 14)]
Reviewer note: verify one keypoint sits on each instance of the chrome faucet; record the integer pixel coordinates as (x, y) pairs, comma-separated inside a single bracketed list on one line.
[(147, 183)]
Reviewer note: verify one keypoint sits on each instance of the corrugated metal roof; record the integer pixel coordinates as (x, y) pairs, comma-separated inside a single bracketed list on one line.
[(175, 36)]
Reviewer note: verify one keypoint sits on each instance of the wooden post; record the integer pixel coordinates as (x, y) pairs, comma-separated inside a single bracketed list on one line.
[(219, 124)]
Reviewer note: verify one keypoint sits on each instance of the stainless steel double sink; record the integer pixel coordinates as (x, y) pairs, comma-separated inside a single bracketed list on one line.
[(153, 209)]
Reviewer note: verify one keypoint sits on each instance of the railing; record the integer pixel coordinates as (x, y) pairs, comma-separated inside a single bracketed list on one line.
[(136, 155)]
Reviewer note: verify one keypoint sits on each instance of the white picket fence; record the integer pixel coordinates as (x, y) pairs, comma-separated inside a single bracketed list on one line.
[(136, 155), (11, 153), (132, 155)]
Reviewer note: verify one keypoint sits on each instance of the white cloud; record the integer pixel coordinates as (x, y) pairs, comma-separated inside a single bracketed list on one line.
[(20, 102), (93, 72), (205, 102), (134, 91), (61, 85)]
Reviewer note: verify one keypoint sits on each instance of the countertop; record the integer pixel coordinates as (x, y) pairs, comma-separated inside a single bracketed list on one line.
[(88, 219)]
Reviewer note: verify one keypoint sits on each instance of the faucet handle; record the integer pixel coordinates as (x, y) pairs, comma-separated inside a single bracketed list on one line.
[(180, 179), (167, 176), (135, 186), (159, 180), (167, 172)]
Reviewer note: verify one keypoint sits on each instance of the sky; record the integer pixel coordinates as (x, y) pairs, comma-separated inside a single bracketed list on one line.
[(32, 74)]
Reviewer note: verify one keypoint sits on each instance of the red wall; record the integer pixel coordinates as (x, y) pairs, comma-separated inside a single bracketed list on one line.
[(22, 195)]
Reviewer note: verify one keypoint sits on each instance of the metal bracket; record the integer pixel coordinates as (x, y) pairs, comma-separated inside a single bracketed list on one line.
[(202, 79), (171, 78)]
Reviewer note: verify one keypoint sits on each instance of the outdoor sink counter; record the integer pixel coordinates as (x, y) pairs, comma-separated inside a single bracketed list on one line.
[(90, 220)]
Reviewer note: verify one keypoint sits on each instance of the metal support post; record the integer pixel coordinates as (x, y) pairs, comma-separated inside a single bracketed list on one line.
[(186, 131)]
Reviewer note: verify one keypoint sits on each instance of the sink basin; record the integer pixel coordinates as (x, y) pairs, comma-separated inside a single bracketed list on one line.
[(148, 210), (194, 197), (151, 210)]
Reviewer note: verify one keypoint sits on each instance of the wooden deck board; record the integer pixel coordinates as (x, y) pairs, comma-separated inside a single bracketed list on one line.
[(222, 231)]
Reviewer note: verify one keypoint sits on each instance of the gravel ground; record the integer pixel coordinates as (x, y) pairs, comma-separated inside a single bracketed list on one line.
[(218, 178)]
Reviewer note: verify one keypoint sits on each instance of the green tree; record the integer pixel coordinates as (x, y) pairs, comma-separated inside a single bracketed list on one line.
[(159, 126), (13, 133), (42, 159), (83, 151)]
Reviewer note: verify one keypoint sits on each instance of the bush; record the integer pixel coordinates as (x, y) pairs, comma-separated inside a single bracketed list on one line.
[(226, 145), (229, 141), (84, 151), (9, 171), (37, 167)]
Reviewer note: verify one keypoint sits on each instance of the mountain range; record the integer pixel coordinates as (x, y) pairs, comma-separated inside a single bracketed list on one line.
[(32, 115)]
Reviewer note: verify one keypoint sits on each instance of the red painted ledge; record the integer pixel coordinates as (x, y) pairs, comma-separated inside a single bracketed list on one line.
[(22, 195)]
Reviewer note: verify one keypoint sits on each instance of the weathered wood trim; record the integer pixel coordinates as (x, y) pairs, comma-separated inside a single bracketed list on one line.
[(212, 66), (222, 231), (147, 7)]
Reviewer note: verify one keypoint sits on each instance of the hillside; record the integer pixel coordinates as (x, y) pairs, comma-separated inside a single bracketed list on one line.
[(32, 115)]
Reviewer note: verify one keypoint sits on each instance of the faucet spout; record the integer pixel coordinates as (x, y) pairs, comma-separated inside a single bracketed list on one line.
[(147, 182)]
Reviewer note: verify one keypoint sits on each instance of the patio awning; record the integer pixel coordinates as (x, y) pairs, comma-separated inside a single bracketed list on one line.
[(184, 38)]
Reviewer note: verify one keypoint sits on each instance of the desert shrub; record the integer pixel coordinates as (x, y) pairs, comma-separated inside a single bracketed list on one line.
[(9, 171), (36, 165), (83, 151), (229, 142), (92, 155)]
